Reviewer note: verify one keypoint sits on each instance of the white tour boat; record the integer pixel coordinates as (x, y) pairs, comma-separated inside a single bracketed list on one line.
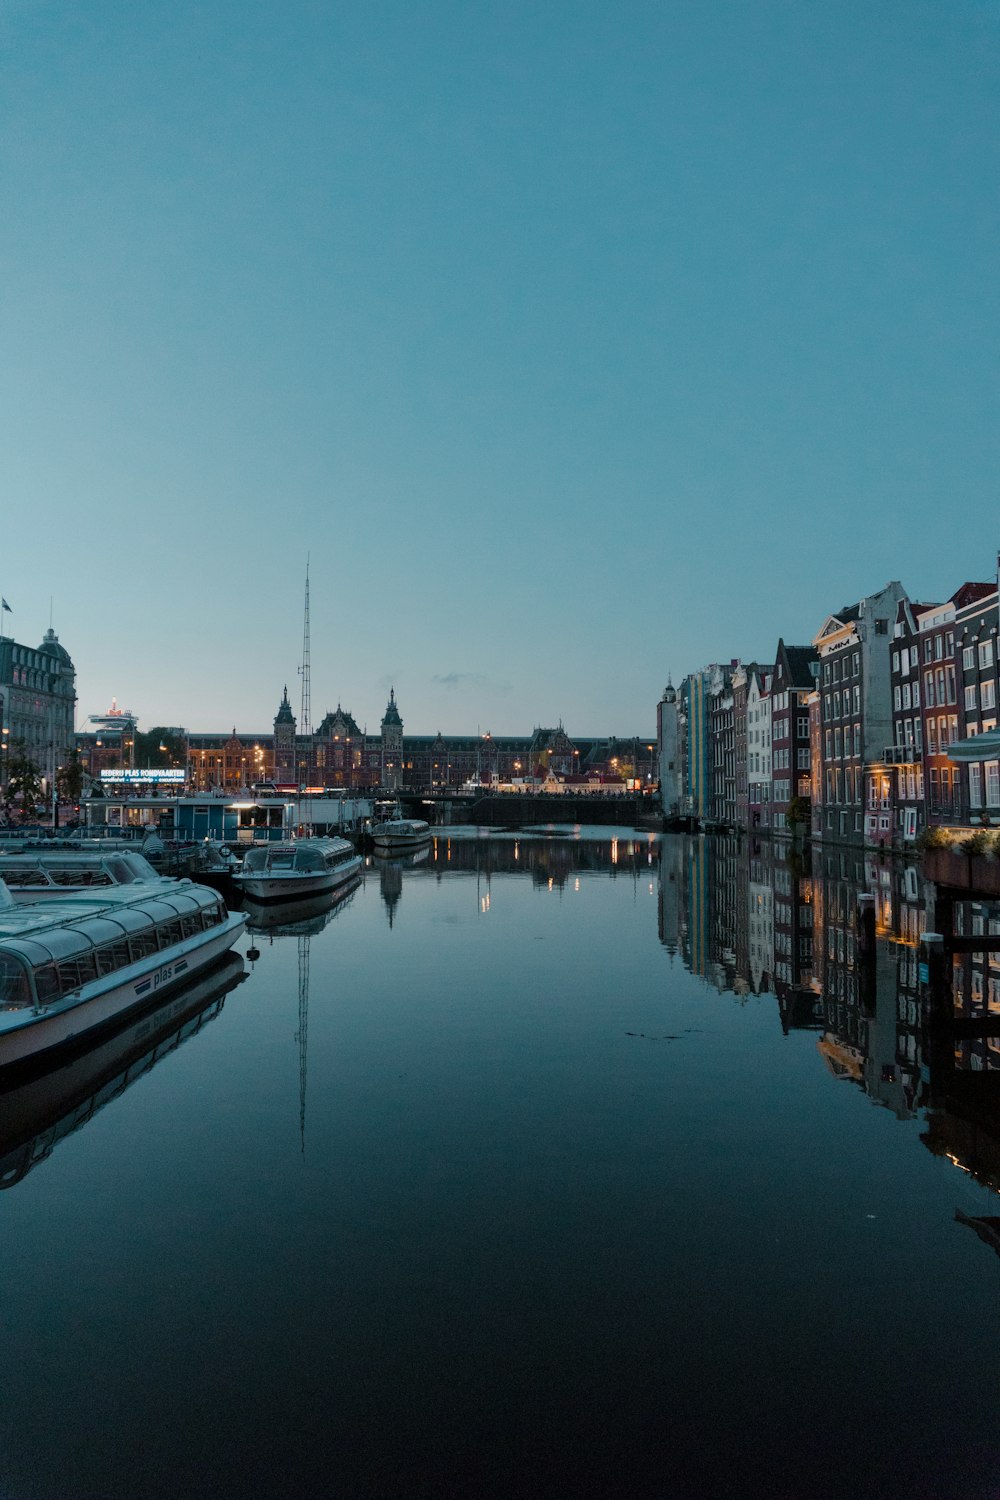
[(305, 867), (74, 966), (397, 834), (43, 873)]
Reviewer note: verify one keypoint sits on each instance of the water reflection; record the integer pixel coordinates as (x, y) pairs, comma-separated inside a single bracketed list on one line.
[(755, 918), (302, 920), (39, 1111)]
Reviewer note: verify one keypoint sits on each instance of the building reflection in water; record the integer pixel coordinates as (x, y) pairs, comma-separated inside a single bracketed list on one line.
[(756, 917)]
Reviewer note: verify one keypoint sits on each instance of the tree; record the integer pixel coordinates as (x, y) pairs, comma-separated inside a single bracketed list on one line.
[(24, 781), (159, 746), (798, 812), (69, 779)]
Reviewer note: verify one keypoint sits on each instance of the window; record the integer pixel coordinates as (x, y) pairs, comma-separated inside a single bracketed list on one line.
[(968, 658), (986, 653), (895, 661), (857, 699), (881, 627), (949, 678), (988, 695), (970, 698), (939, 683), (932, 737), (928, 649), (938, 647), (897, 697), (856, 663), (857, 739), (929, 688), (803, 728), (916, 692), (993, 783)]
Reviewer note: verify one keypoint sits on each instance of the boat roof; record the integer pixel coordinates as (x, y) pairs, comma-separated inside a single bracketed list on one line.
[(65, 913)]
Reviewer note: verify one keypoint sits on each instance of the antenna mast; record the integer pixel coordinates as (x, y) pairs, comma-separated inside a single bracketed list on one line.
[(305, 723)]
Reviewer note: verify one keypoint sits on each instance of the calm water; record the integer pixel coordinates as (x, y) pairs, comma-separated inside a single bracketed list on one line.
[(543, 1166)]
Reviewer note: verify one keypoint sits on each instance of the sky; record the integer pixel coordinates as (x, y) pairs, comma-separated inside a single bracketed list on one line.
[(574, 345)]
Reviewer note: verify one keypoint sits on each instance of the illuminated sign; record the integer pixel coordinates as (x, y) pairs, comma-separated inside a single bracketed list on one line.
[(169, 773)]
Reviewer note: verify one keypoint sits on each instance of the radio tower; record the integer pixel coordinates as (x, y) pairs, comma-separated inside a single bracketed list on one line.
[(305, 724)]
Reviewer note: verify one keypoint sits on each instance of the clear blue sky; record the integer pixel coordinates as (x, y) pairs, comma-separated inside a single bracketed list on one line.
[(577, 343)]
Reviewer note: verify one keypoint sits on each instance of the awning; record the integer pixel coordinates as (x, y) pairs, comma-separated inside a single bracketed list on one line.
[(979, 747)]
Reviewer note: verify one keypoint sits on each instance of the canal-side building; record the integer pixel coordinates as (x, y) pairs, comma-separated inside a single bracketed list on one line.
[(37, 704), (758, 747), (698, 768), (793, 678), (904, 757), (669, 770), (855, 686), (936, 655), (722, 745), (977, 665)]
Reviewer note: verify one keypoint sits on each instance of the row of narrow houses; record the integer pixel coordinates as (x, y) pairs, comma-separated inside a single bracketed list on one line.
[(850, 738)]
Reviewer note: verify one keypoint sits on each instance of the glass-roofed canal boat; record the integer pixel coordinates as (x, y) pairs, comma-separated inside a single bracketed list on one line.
[(291, 871), (51, 872), (73, 965)]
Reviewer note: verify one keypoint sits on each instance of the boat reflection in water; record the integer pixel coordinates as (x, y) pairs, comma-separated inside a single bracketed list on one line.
[(302, 918), (39, 1111)]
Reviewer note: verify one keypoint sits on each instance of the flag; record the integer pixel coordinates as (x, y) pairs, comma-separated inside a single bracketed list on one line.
[(6, 606)]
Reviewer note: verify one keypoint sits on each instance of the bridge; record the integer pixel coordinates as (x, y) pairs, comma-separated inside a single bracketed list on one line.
[(529, 809)]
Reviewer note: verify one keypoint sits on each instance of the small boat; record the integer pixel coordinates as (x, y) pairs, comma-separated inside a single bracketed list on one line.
[(44, 873), (397, 834), (73, 967), (307, 867)]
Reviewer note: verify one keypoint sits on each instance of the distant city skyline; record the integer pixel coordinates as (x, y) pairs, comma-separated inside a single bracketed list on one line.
[(577, 346)]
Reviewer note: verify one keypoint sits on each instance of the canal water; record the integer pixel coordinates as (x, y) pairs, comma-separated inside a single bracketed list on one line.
[(579, 1162)]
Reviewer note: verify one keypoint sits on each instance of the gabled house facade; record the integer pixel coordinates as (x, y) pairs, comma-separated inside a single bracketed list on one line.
[(792, 680), (855, 687)]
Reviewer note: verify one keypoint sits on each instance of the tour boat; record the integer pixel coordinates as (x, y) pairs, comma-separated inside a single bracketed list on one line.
[(43, 873), (73, 966), (306, 867), (398, 834)]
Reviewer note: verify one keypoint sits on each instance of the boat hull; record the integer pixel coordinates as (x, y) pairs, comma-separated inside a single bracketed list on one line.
[(105, 1002), (388, 840), (290, 886)]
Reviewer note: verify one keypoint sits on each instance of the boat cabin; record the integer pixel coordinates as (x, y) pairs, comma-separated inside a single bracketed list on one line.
[(49, 952)]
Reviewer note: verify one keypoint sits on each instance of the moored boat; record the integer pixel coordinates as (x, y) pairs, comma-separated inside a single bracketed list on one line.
[(291, 871), (395, 835), (73, 966), (50, 872)]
